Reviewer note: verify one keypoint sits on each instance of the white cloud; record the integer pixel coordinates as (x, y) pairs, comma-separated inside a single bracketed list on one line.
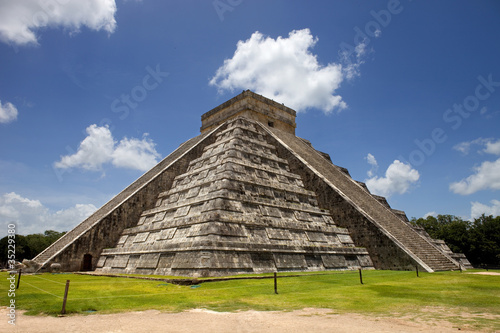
[(398, 179), (20, 20), (283, 69), (492, 147), (95, 150), (430, 214), (373, 162), (486, 176), (463, 147), (31, 216), (135, 154), (477, 209), (352, 60), (8, 112), (99, 148)]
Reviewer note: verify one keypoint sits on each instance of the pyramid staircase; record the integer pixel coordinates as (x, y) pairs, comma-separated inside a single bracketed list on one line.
[(237, 209), (410, 241)]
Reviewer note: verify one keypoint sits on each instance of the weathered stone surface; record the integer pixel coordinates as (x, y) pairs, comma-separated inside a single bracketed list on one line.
[(30, 266), (232, 204), (246, 195)]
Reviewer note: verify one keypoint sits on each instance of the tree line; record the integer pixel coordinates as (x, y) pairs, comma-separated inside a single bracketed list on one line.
[(479, 239), (28, 247)]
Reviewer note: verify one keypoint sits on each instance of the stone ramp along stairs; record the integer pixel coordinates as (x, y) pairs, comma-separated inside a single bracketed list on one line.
[(245, 196)]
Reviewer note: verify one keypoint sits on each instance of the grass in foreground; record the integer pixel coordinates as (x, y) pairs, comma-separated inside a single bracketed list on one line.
[(442, 295)]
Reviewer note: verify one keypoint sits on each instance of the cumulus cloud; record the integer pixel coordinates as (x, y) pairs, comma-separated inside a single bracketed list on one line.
[(430, 214), (373, 162), (20, 20), (31, 216), (8, 112), (135, 154), (477, 209), (492, 147), (352, 60), (465, 147), (486, 176), (283, 69), (99, 148), (398, 179), (95, 150)]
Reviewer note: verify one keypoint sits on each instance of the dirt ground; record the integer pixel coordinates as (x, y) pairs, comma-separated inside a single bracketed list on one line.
[(198, 320), (485, 273)]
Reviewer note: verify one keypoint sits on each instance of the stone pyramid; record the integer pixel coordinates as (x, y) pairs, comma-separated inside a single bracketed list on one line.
[(245, 196), (237, 209)]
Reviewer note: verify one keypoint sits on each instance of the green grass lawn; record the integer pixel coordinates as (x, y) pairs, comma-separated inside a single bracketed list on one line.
[(442, 295)]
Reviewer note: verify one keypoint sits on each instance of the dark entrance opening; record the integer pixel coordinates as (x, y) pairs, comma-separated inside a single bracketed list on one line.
[(87, 262)]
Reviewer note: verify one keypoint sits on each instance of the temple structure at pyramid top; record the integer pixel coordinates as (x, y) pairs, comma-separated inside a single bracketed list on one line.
[(247, 196), (251, 106)]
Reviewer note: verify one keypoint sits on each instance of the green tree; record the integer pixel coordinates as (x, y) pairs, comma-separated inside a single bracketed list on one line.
[(479, 240), (485, 234), (28, 247)]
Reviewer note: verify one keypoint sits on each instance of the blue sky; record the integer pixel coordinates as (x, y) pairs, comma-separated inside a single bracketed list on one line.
[(405, 94)]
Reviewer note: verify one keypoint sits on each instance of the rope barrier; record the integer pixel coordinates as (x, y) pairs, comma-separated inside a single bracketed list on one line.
[(45, 291), (289, 282)]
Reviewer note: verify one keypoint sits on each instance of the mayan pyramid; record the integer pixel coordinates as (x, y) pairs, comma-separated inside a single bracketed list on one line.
[(246, 196)]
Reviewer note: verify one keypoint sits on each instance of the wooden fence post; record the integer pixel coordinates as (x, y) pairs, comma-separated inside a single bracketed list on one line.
[(19, 279), (65, 297), (275, 284)]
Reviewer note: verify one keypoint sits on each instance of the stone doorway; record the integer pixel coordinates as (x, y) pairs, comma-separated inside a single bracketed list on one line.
[(87, 262)]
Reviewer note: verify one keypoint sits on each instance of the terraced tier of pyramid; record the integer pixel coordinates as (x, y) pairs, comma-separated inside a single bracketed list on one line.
[(237, 209)]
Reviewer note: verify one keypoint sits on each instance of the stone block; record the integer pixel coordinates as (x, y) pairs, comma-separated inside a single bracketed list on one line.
[(281, 234), (314, 262), (139, 238), (263, 262), (316, 237), (290, 261), (122, 240), (149, 260), (120, 261), (334, 261)]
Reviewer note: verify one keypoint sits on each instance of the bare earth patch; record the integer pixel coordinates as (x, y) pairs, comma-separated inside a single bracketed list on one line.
[(199, 320), (485, 273)]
